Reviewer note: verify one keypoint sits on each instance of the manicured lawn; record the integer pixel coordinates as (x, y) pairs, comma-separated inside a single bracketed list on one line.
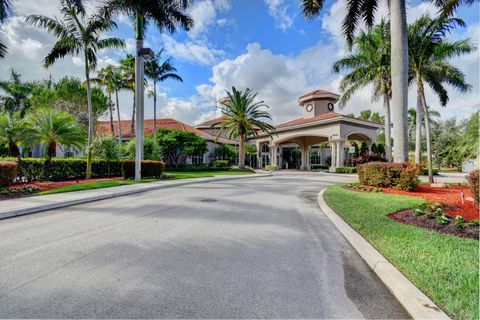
[(116, 183), (444, 267)]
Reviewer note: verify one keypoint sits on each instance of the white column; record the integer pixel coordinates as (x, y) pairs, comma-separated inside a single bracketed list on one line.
[(307, 159), (340, 154), (333, 146), (273, 152)]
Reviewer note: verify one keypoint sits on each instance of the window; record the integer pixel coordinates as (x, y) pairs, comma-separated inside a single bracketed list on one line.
[(265, 148), (197, 159), (315, 157)]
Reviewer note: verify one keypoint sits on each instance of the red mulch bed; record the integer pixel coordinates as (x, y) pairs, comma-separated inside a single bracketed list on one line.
[(450, 197), (407, 217), (48, 185)]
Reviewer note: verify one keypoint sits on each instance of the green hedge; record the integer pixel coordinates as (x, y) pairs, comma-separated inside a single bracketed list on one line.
[(150, 169), (346, 170), (65, 169), (8, 173), (382, 174)]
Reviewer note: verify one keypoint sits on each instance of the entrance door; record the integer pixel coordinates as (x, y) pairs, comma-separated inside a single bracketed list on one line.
[(291, 157)]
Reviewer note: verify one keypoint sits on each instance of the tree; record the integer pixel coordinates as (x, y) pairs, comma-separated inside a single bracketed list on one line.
[(175, 146), (106, 148), (365, 11), (369, 64), (107, 78), (468, 145), (51, 128), (243, 118), (429, 52), (78, 34), (166, 15), (127, 68), (15, 93), (6, 11), (151, 150), (158, 71), (225, 152), (14, 132)]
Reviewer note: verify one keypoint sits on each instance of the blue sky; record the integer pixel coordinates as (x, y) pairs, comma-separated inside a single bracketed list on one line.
[(263, 44)]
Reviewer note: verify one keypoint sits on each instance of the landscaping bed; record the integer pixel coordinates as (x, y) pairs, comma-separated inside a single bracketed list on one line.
[(443, 266)]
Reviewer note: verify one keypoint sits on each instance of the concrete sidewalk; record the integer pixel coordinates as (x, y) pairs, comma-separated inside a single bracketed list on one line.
[(28, 205)]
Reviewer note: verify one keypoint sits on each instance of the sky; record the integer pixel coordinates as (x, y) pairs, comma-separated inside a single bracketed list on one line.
[(265, 45)]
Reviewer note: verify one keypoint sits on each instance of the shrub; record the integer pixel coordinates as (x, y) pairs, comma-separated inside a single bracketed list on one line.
[(59, 169), (8, 173), (424, 171), (271, 167), (221, 164), (150, 169), (345, 170), (395, 175), (474, 180)]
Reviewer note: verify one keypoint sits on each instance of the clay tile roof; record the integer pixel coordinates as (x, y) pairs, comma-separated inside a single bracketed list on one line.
[(208, 123), (103, 128), (317, 92), (299, 121)]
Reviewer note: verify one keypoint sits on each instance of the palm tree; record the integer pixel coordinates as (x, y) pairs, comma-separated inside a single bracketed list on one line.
[(448, 7), (243, 118), (105, 78), (127, 68), (6, 11), (429, 54), (51, 128), (16, 93), (78, 34), (369, 64), (365, 11), (159, 71), (166, 15), (14, 132)]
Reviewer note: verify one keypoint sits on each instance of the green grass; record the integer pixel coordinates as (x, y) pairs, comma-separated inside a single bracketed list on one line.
[(116, 183), (444, 267)]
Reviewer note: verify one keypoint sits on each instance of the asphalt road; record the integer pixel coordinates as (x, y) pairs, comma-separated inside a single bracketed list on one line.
[(254, 248)]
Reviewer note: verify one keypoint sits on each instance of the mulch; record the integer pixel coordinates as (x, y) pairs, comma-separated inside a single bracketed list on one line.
[(49, 185), (407, 217), (450, 197)]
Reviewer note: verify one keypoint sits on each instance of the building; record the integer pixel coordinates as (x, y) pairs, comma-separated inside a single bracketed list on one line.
[(319, 138), (104, 129)]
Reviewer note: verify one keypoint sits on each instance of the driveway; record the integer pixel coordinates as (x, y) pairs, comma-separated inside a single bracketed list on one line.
[(254, 248)]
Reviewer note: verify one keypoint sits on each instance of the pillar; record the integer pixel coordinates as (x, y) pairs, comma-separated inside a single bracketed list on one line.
[(333, 146), (273, 152), (307, 159), (280, 157), (302, 158), (340, 153)]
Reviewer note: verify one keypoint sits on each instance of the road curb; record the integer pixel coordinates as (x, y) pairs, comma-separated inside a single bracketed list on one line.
[(415, 302), (112, 192)]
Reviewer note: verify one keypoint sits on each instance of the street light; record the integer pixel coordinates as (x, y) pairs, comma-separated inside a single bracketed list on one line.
[(141, 54)]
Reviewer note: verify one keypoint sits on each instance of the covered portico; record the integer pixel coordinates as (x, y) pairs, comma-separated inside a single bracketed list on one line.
[(321, 136)]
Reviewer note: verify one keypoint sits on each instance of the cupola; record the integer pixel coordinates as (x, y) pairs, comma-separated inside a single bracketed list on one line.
[(317, 102)]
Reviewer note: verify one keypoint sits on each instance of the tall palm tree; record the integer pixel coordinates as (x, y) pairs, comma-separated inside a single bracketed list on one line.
[(6, 11), (127, 68), (117, 82), (159, 71), (358, 11), (51, 128), (105, 78), (166, 15), (15, 93), (448, 7), (369, 64), (14, 132), (78, 34), (243, 118), (429, 54)]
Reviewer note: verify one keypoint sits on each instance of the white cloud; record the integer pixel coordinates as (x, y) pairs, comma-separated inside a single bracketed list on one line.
[(204, 14), (280, 13), (191, 51)]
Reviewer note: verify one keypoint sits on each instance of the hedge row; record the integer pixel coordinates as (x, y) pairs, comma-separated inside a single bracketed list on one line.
[(345, 170), (401, 176), (8, 172), (150, 169)]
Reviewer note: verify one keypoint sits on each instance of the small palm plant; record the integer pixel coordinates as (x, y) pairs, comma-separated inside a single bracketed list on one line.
[(14, 132), (159, 71), (15, 93), (243, 119), (51, 127), (78, 34)]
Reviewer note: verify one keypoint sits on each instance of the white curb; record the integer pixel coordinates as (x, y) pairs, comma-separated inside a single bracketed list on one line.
[(415, 302), (43, 203)]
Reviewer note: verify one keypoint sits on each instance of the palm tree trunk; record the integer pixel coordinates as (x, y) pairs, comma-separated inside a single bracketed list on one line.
[(418, 124), (110, 108), (154, 112), (427, 136), (399, 66), (52, 147), (241, 152), (132, 125), (118, 118), (387, 124), (90, 119)]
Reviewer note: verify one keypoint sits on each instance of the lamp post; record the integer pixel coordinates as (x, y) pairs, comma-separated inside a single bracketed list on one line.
[(140, 54)]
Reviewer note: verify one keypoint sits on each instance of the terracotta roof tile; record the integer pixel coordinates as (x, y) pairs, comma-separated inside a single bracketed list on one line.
[(208, 123), (299, 121), (317, 92)]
